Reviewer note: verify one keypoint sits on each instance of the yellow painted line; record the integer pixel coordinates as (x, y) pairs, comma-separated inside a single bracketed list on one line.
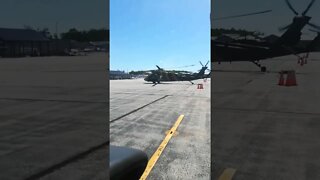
[(227, 174), (156, 155)]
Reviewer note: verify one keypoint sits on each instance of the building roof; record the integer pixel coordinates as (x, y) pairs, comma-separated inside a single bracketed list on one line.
[(99, 43), (117, 72), (8, 34)]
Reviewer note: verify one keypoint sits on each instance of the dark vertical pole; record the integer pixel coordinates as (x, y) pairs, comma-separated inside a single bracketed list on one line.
[(23, 48), (14, 48), (48, 49), (40, 48), (32, 49)]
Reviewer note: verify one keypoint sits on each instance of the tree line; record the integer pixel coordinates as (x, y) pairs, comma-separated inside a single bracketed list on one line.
[(74, 34), (85, 36), (240, 32)]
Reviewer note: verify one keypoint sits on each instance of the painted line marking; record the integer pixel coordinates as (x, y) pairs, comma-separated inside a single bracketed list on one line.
[(156, 155), (227, 174)]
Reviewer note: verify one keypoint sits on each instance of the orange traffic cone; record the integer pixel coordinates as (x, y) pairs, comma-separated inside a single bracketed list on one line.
[(291, 79), (200, 86), (281, 79)]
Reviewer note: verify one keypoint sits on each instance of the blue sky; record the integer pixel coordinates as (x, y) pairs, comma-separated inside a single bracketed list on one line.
[(268, 23), (168, 33)]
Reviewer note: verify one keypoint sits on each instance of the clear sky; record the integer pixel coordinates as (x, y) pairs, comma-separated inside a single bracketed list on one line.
[(80, 14), (268, 23), (168, 33)]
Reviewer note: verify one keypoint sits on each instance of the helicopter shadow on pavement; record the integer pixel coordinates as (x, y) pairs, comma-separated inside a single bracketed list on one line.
[(167, 83), (243, 71)]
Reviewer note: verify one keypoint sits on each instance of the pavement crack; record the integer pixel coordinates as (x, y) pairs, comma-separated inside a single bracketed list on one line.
[(264, 111), (135, 110), (249, 81), (50, 100), (130, 93), (67, 161)]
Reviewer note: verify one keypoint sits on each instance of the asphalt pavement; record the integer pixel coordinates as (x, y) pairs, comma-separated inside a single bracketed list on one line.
[(53, 117), (141, 114), (262, 130)]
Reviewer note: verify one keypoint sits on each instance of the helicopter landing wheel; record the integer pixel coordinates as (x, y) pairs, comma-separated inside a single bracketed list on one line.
[(263, 69)]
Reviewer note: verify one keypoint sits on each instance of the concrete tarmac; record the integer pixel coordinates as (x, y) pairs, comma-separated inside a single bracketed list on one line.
[(140, 115), (53, 110), (262, 130)]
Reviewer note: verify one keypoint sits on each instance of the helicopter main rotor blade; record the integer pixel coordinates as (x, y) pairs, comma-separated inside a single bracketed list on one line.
[(241, 15), (314, 26), (181, 67), (207, 64), (312, 30), (201, 63), (309, 6), (292, 9)]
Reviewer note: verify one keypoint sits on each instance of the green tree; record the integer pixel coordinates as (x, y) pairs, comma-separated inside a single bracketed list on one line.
[(85, 36)]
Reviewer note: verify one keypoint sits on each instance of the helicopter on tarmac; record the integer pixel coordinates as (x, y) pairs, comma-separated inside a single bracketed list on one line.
[(161, 75), (252, 50)]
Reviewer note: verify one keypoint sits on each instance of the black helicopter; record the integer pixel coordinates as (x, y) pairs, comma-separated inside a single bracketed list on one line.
[(161, 75), (254, 50)]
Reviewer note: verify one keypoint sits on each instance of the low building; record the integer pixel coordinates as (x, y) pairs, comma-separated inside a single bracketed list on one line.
[(23, 42), (119, 75), (100, 45)]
